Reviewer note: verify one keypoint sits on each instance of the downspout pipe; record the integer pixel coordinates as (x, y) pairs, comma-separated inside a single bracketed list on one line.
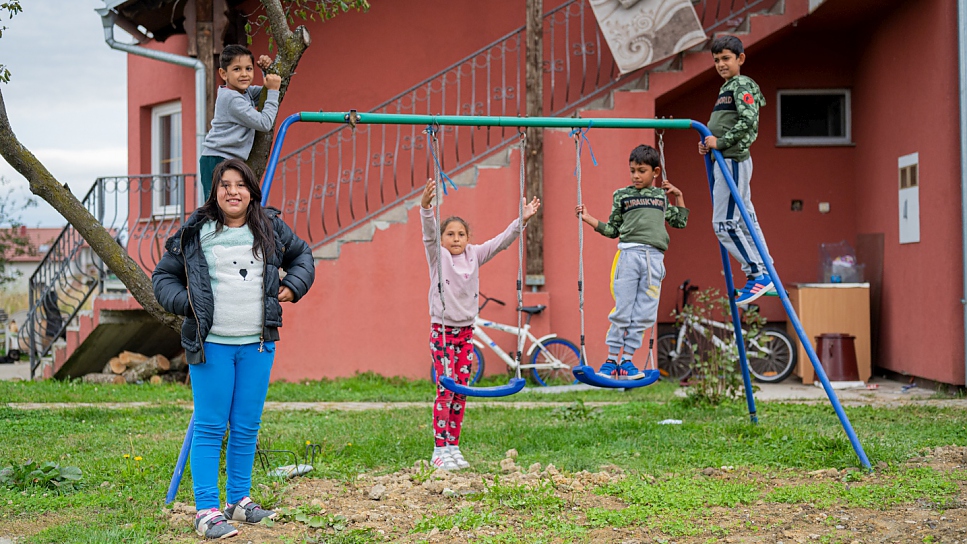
[(962, 58), (109, 18)]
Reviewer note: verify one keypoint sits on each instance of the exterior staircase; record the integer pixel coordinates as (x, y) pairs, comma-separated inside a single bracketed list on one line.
[(340, 205)]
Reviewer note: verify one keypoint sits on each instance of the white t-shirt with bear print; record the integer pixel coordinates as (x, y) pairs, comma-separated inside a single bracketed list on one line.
[(236, 276)]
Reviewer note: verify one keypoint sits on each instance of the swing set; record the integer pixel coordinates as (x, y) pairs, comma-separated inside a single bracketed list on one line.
[(579, 128)]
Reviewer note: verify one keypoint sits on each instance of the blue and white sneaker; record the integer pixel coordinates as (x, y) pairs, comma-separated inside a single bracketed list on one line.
[(628, 371), (755, 288), (247, 511), (212, 525), (609, 369)]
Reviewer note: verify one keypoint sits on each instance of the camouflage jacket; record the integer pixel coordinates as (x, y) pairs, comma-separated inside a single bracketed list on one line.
[(638, 216), (735, 118)]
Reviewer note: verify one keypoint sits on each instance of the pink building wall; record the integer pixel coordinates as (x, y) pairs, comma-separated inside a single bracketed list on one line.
[(906, 101), (368, 309)]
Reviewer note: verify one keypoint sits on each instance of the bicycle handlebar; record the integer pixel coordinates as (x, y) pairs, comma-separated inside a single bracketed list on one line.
[(488, 299)]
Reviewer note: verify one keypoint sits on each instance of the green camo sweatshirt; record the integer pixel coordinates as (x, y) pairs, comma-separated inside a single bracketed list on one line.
[(735, 117), (638, 216)]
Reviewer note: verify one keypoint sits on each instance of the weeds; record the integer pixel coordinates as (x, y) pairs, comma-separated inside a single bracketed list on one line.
[(576, 411), (62, 479)]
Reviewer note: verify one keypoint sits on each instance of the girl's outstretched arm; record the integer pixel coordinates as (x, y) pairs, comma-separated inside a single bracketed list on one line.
[(430, 229), (502, 241)]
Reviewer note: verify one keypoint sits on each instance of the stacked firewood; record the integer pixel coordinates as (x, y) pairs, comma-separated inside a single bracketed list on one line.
[(131, 367)]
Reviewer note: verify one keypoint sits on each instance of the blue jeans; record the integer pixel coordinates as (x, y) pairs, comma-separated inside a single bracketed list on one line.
[(230, 389)]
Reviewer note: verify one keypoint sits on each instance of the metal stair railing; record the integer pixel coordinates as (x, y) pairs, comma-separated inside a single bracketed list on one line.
[(140, 212), (348, 176)]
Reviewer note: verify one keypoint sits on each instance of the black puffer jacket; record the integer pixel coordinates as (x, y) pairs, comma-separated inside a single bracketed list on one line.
[(183, 286)]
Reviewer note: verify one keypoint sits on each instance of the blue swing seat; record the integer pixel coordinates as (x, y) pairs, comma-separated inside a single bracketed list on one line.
[(513, 386), (588, 375)]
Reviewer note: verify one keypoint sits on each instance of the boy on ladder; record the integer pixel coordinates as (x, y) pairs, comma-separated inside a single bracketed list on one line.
[(735, 124), (637, 219)]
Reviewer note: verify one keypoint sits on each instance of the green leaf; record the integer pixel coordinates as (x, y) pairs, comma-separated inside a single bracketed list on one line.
[(317, 521)]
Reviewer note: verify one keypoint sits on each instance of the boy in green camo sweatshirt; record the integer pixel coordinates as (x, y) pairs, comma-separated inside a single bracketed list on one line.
[(638, 217), (735, 124)]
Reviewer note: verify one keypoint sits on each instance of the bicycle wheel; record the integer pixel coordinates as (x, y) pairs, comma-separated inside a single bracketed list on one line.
[(679, 366), (772, 356), (476, 367), (564, 351)]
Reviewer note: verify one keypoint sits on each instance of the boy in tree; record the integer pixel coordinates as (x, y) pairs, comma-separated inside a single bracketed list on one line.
[(236, 115)]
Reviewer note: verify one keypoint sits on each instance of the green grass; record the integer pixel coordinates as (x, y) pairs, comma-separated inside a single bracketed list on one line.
[(121, 498), (366, 387)]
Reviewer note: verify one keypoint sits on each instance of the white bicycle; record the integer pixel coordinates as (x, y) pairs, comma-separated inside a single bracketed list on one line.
[(771, 353), (550, 358)]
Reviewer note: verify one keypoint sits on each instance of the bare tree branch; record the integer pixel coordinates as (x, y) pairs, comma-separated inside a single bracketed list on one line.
[(44, 185)]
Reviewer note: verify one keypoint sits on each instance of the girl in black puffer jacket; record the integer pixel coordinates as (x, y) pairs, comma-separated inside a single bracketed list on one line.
[(221, 271)]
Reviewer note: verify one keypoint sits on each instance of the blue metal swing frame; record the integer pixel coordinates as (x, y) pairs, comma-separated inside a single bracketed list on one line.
[(583, 373)]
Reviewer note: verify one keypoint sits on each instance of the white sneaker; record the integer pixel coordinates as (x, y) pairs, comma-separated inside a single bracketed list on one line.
[(444, 461), (454, 452)]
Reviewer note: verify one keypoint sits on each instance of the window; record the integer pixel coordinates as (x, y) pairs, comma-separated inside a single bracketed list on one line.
[(814, 117), (166, 159)]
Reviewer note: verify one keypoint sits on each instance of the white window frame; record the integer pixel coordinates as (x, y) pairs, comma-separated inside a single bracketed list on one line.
[(846, 139), (157, 197)]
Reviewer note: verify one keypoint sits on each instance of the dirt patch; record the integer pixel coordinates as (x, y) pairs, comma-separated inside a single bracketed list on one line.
[(391, 506)]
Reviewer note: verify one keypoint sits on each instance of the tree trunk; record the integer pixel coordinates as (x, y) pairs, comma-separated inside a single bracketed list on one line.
[(178, 362), (115, 366), (142, 371), (291, 45), (103, 378), (131, 358), (43, 184), (534, 152)]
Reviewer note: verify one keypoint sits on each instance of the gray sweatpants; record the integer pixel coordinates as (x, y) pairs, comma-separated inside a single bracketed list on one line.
[(727, 221), (636, 284)]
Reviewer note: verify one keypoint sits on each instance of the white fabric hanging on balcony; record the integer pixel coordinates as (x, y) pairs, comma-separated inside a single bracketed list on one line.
[(643, 32)]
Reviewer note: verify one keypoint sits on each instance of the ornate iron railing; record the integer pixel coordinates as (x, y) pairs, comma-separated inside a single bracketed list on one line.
[(347, 176), (140, 212)]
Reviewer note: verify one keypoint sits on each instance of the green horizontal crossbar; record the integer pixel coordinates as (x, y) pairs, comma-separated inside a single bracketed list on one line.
[(496, 121)]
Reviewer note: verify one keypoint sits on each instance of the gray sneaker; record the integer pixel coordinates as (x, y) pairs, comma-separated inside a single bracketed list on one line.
[(247, 511), (213, 525)]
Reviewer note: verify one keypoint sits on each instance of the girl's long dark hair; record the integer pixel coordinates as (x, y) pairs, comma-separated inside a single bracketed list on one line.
[(258, 222)]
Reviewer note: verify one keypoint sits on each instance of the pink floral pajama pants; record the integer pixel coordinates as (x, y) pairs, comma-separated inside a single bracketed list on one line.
[(449, 406)]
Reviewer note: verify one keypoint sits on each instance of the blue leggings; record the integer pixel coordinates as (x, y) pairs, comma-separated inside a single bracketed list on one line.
[(229, 388)]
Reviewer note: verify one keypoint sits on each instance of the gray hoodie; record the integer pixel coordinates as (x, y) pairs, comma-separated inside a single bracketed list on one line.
[(236, 120)]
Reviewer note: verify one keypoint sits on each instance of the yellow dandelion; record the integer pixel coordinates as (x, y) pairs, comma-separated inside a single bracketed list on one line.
[(127, 455), (349, 444), (307, 442), (138, 458)]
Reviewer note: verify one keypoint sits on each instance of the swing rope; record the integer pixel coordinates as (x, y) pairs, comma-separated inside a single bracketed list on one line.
[(577, 174), (520, 253), (432, 143), (661, 154)]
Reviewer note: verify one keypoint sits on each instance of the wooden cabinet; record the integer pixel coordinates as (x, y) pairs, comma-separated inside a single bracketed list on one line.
[(832, 308)]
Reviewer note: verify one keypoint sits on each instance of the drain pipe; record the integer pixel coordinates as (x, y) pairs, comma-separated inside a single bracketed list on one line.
[(109, 18), (962, 58)]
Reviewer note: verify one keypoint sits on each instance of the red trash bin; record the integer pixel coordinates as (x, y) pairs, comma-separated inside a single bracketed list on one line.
[(837, 353)]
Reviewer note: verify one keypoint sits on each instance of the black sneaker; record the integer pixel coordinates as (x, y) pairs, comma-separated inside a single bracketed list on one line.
[(212, 525), (247, 511)]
